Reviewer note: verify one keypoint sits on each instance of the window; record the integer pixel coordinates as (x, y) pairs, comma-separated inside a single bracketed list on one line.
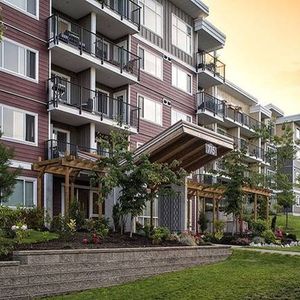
[(151, 63), (152, 15), (18, 125), (18, 59), (181, 79), (24, 193), (145, 218), (63, 87), (181, 35), (150, 110), (29, 7), (177, 116)]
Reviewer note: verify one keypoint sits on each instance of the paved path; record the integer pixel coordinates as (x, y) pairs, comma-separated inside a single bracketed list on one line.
[(267, 250)]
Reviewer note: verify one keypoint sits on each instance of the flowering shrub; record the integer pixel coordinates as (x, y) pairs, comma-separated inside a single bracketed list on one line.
[(20, 231), (187, 239)]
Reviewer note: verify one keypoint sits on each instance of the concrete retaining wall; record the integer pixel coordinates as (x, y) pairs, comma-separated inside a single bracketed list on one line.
[(51, 272)]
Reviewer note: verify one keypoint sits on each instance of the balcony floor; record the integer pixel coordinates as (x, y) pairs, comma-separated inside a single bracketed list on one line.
[(206, 79)]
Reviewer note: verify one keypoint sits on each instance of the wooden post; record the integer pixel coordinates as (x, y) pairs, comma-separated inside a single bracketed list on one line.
[(100, 212), (72, 190), (67, 191), (197, 212), (255, 207), (218, 208), (39, 190), (267, 209), (214, 212)]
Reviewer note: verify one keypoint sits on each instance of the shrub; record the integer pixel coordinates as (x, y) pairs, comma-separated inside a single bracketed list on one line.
[(291, 236), (58, 224), (33, 217), (174, 237), (273, 223), (269, 236), (259, 227), (8, 218), (219, 227), (258, 240), (6, 247), (76, 215), (99, 226), (202, 221), (187, 239), (160, 234), (242, 241)]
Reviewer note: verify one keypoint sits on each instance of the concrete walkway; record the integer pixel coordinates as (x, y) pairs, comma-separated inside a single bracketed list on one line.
[(267, 250)]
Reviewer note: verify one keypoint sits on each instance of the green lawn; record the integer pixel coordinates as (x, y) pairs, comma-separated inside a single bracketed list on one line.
[(293, 224), (291, 249), (246, 275)]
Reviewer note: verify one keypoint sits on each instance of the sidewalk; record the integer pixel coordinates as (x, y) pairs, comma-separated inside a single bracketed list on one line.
[(267, 251)]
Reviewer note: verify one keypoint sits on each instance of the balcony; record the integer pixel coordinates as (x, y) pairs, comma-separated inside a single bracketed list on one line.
[(115, 19), (211, 71), (252, 152), (248, 124), (67, 100), (210, 38), (78, 49), (57, 149), (209, 108)]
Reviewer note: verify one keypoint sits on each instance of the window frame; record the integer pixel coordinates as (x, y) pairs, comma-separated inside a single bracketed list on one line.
[(3, 69), (25, 12), (156, 103), (191, 28), (187, 73), (141, 4), (11, 139), (158, 57), (180, 112), (27, 179)]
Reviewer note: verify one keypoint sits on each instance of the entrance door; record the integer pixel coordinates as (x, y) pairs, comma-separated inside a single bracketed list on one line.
[(120, 108), (102, 105), (61, 142)]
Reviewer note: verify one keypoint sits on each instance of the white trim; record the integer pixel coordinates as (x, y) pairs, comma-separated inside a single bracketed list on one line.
[(157, 56), (187, 73), (168, 54), (36, 121), (36, 80), (37, 7), (20, 164), (191, 28), (156, 102), (180, 112), (62, 130)]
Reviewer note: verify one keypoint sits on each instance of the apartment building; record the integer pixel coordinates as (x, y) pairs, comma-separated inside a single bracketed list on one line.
[(293, 167), (71, 70)]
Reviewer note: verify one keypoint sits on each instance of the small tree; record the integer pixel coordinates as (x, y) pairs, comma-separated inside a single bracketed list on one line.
[(7, 175), (138, 178)]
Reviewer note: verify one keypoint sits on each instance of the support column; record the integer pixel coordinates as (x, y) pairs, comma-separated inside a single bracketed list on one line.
[(214, 212), (39, 190), (255, 207), (93, 30), (267, 209), (218, 209), (93, 143), (67, 191), (189, 213)]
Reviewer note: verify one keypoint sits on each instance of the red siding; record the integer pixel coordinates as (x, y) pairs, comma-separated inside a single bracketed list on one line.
[(158, 90)]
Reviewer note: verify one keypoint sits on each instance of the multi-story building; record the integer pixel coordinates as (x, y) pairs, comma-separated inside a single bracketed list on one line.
[(71, 70), (293, 167)]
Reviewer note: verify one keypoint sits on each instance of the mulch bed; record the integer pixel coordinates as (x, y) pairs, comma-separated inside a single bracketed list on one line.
[(113, 240)]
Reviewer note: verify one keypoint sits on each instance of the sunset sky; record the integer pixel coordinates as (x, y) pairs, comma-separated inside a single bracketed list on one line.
[(262, 50)]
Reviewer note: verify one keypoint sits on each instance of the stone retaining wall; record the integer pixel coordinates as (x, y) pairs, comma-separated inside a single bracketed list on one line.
[(51, 272)]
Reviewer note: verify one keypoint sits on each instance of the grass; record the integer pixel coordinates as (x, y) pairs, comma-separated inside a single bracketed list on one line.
[(288, 249), (293, 224), (245, 275)]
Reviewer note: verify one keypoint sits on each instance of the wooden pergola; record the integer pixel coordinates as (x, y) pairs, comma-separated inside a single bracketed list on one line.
[(200, 190), (68, 166)]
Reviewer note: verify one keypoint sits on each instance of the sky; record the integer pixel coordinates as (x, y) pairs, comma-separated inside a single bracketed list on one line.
[(262, 50)]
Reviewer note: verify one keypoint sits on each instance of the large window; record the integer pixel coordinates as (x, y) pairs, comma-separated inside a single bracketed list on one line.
[(24, 193), (144, 219), (152, 15), (150, 110), (181, 79), (178, 115), (18, 59), (151, 63), (181, 35), (18, 125), (29, 7)]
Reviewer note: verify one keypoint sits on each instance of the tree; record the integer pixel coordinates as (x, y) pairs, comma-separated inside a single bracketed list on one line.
[(138, 178), (7, 175)]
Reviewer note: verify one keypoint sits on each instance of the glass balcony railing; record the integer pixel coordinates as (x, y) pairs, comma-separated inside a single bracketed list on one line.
[(210, 103), (96, 102), (127, 9), (64, 31), (208, 62)]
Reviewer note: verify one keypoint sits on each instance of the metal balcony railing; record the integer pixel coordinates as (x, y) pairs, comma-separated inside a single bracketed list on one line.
[(208, 102), (206, 61), (56, 149), (95, 45), (96, 102), (242, 118), (207, 179), (250, 150), (127, 9)]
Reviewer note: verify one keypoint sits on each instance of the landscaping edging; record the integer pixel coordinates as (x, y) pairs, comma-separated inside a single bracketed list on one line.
[(50, 272)]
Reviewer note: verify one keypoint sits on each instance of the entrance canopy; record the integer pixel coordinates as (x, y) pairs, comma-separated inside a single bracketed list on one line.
[(193, 146)]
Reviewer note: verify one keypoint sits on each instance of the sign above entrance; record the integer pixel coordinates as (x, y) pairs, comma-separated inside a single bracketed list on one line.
[(211, 149)]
